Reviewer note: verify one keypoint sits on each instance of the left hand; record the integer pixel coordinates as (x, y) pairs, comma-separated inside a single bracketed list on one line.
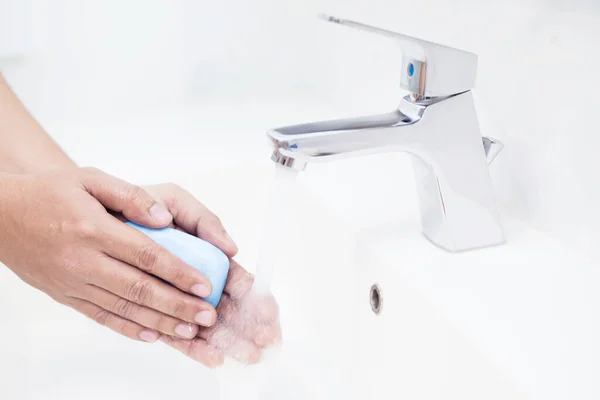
[(247, 323)]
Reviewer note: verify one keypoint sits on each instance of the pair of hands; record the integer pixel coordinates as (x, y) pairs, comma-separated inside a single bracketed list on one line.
[(61, 233)]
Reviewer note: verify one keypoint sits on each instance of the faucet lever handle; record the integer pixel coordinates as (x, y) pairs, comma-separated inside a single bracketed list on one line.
[(428, 69)]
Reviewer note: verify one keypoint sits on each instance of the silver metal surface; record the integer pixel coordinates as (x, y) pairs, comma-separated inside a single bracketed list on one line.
[(438, 70), (456, 196), (492, 148)]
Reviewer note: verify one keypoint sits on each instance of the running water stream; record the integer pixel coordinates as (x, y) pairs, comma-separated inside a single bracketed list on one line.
[(281, 190), (238, 381)]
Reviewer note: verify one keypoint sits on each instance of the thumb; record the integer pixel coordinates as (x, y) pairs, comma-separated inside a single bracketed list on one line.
[(194, 218), (130, 200)]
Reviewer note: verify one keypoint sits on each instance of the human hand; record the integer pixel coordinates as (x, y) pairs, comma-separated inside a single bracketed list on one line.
[(57, 236), (247, 322)]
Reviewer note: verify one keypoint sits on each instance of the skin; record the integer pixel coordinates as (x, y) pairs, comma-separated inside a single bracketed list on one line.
[(24, 145), (61, 231)]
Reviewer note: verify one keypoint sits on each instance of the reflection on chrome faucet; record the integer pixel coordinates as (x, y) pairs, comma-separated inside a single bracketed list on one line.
[(437, 124)]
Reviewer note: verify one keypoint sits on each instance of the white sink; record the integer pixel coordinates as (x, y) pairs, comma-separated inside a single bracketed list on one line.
[(526, 313), (513, 322), (452, 326)]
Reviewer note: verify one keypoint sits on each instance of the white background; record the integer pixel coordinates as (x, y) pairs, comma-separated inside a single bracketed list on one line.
[(136, 85), (92, 61)]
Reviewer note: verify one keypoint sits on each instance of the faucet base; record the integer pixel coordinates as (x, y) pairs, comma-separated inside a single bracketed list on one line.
[(463, 250), (456, 195)]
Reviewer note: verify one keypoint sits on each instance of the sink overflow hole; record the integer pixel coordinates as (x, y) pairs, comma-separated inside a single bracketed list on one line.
[(376, 298)]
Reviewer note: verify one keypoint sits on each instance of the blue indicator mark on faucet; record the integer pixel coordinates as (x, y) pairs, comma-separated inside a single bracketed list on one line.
[(294, 146), (411, 69)]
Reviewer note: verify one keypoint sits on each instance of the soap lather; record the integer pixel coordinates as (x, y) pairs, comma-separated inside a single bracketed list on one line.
[(198, 253)]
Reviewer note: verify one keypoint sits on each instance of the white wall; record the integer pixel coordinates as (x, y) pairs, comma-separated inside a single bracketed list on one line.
[(537, 78), (91, 57), (13, 29)]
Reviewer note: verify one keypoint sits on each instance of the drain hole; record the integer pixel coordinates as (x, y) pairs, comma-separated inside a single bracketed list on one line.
[(376, 299)]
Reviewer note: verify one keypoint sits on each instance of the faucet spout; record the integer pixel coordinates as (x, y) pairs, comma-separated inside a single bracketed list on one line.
[(457, 202), (297, 145)]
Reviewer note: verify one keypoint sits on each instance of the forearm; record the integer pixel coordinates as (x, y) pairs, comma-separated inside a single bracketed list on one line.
[(24, 145)]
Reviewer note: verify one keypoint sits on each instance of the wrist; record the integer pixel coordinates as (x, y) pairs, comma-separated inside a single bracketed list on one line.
[(6, 189), (25, 147), (9, 197), (32, 163)]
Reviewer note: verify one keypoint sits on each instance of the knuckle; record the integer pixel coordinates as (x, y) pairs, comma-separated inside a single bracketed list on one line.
[(61, 299), (189, 348), (163, 323), (80, 227), (101, 317), (121, 327), (210, 222), (240, 283), (140, 292), (178, 308), (86, 229), (178, 275), (132, 192), (124, 308), (147, 257)]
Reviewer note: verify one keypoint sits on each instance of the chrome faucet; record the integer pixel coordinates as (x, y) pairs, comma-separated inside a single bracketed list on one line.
[(436, 123)]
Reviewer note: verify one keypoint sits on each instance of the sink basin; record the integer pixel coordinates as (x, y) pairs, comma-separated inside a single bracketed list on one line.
[(516, 321)]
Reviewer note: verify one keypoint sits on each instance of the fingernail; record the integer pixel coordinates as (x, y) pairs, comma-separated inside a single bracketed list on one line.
[(149, 336), (204, 318), (185, 330), (201, 290), (160, 213)]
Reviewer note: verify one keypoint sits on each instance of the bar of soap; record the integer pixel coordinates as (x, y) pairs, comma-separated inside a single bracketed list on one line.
[(198, 253)]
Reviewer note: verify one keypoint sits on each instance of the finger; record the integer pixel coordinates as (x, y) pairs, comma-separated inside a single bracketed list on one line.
[(134, 285), (247, 325), (131, 200), (225, 340), (122, 218), (120, 325), (239, 287), (239, 281), (196, 219), (197, 349), (142, 315), (126, 243)]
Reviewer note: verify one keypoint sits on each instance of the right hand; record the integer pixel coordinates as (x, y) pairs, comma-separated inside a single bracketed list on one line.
[(248, 324), (57, 234)]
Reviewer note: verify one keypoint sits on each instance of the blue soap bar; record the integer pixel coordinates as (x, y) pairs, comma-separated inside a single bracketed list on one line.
[(200, 254)]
